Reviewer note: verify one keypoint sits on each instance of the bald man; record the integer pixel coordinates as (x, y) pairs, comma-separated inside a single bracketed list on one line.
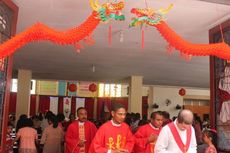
[(178, 136)]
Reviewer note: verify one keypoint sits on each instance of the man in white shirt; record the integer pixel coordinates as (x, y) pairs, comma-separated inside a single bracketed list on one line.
[(178, 136)]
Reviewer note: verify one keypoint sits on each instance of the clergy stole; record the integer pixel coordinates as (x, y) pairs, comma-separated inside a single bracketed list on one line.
[(183, 147), (82, 137)]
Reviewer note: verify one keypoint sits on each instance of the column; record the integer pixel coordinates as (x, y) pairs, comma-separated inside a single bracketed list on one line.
[(23, 93), (150, 100), (135, 94)]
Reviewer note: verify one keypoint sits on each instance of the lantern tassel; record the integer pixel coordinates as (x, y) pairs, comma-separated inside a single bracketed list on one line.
[(110, 35), (142, 38)]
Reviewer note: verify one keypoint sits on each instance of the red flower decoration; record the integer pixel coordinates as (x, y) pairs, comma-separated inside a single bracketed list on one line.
[(182, 92), (72, 87), (93, 87)]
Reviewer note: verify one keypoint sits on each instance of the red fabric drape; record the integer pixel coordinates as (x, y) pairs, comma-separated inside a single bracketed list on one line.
[(44, 103), (73, 105), (13, 100), (32, 105), (60, 105), (101, 103), (89, 106), (144, 106), (223, 96)]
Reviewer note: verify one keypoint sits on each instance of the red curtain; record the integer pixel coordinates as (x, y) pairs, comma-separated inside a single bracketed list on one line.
[(144, 106), (13, 100), (73, 105), (101, 103), (60, 105), (89, 106), (44, 103), (32, 105)]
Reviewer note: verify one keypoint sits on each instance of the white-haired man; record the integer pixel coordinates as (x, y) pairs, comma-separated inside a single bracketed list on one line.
[(178, 136)]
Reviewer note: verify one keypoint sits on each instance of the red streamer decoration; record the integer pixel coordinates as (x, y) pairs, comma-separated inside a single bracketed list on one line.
[(40, 31), (221, 50)]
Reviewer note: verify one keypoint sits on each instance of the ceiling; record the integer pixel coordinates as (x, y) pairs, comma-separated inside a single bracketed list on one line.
[(191, 19)]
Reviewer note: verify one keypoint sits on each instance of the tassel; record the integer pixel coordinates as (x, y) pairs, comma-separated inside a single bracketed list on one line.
[(110, 35), (142, 38)]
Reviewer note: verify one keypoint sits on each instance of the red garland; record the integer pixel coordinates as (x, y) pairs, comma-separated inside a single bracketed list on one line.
[(221, 50), (40, 31)]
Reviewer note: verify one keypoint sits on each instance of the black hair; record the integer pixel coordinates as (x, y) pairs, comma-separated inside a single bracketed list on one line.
[(28, 122), (212, 134), (54, 120), (80, 109), (60, 117), (153, 114), (116, 106), (166, 114)]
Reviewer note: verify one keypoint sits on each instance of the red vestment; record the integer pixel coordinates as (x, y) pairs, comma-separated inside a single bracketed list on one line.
[(110, 137), (141, 139), (72, 136)]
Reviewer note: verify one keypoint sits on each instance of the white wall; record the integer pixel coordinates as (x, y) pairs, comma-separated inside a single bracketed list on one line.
[(161, 93)]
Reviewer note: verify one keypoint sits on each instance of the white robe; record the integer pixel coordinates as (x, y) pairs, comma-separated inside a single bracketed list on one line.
[(167, 144)]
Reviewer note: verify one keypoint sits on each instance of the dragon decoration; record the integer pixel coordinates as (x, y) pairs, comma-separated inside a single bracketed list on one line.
[(154, 18), (39, 31), (104, 13)]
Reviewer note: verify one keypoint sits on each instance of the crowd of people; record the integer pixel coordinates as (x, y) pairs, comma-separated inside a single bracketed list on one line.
[(122, 133)]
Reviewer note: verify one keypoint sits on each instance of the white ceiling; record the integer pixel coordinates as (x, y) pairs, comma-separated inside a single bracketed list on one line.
[(189, 18)]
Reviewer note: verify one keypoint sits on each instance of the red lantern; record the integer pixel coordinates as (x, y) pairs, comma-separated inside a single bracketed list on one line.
[(92, 87), (72, 87), (182, 92)]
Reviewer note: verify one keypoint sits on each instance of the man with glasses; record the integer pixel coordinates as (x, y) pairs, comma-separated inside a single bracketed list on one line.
[(178, 136), (114, 136)]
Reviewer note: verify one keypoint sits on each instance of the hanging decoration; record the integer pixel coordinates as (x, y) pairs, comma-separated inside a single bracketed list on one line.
[(148, 16), (142, 38), (182, 92), (72, 87), (39, 31), (92, 87), (187, 49)]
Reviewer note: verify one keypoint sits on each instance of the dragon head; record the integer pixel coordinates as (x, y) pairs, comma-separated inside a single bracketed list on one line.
[(108, 10), (148, 16)]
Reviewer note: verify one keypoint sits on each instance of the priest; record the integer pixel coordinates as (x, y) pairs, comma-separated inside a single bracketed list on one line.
[(114, 136), (178, 136), (80, 133), (146, 135)]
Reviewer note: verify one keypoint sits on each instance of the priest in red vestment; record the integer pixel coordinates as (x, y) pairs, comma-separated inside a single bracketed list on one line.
[(146, 135), (80, 133), (114, 136)]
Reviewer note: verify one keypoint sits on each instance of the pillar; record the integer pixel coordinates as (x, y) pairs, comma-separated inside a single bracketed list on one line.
[(23, 93), (135, 94)]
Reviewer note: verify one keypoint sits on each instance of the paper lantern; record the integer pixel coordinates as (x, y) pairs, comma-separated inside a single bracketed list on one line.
[(72, 87), (93, 87), (182, 92)]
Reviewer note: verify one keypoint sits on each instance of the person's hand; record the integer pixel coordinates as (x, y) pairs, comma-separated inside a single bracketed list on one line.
[(152, 138), (81, 143)]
